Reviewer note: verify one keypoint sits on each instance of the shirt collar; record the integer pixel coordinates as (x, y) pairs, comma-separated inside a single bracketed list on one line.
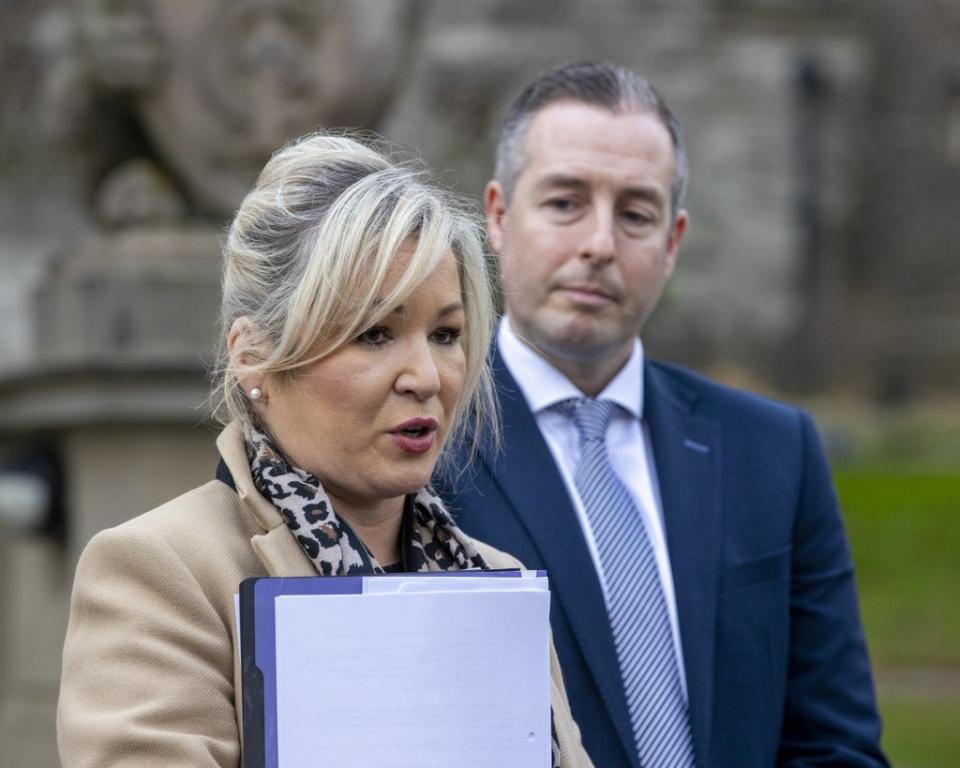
[(544, 386)]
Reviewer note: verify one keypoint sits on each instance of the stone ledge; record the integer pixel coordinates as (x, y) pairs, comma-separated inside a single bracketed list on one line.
[(64, 397)]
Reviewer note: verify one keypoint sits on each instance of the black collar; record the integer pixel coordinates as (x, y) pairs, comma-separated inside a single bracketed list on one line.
[(224, 476)]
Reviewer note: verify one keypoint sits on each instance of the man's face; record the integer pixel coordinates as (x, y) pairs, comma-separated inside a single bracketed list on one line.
[(587, 242)]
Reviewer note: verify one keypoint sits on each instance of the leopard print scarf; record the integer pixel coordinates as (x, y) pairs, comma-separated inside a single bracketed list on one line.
[(332, 546)]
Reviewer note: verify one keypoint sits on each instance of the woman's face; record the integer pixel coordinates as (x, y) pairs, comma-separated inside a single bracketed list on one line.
[(369, 419)]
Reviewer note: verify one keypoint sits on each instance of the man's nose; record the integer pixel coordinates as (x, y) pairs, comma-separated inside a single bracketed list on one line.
[(599, 245), (419, 373)]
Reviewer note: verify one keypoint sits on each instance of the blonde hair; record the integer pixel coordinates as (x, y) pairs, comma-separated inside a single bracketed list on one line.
[(306, 256)]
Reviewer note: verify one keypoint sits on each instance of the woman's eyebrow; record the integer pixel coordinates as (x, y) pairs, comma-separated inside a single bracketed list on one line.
[(450, 309)]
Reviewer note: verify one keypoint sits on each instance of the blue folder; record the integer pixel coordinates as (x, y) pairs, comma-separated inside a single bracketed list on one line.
[(258, 647)]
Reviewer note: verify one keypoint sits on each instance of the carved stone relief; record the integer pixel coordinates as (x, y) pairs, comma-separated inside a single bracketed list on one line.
[(177, 104), (218, 85)]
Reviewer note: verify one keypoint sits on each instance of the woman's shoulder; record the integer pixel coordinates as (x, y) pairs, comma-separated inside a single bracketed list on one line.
[(152, 615), (205, 531), (210, 509)]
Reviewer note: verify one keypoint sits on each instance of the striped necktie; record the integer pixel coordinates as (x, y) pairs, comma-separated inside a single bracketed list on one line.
[(635, 602)]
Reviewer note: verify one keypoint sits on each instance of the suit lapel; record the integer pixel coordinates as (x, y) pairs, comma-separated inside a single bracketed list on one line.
[(687, 457), (527, 475)]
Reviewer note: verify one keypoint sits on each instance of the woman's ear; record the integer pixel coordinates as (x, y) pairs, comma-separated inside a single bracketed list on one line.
[(240, 343), (238, 337)]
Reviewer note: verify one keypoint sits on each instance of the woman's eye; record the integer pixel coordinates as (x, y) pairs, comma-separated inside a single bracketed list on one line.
[(447, 335), (375, 337)]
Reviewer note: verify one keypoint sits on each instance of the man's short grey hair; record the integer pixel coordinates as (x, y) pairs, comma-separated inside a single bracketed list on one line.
[(600, 84)]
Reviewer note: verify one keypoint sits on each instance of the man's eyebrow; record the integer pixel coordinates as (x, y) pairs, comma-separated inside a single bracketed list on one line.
[(560, 180), (566, 181), (649, 193)]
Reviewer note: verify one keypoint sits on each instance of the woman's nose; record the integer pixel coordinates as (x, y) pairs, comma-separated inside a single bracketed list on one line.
[(419, 373)]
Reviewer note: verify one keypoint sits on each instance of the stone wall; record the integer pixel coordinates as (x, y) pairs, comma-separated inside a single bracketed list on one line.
[(823, 144), (900, 265)]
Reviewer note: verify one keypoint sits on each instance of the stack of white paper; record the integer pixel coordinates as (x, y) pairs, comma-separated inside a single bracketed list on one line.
[(415, 672)]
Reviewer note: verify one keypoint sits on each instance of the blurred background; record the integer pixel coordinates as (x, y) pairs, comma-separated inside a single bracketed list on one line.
[(821, 266)]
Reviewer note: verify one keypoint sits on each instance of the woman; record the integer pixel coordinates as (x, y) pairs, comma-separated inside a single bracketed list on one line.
[(355, 321)]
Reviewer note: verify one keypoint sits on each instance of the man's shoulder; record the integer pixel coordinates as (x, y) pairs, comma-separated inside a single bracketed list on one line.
[(706, 393)]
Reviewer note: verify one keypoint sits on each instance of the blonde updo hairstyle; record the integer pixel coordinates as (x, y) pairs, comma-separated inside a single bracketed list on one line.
[(307, 254)]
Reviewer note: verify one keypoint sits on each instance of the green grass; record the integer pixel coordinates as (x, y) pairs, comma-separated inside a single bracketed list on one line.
[(904, 528), (921, 734)]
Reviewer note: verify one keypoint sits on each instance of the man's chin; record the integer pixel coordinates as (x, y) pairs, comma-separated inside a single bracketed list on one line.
[(586, 344), (572, 335)]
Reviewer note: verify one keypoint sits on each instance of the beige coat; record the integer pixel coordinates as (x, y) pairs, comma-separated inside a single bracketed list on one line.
[(150, 672)]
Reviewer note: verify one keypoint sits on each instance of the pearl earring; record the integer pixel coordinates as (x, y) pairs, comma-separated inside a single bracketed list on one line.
[(256, 393)]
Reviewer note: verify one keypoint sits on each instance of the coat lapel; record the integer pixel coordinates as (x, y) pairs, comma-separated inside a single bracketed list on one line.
[(527, 475), (687, 457), (276, 549), (280, 553)]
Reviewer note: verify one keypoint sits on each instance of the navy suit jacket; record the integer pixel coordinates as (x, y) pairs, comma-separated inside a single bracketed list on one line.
[(775, 659)]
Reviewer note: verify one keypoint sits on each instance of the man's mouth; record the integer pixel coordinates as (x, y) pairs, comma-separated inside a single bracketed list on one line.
[(587, 294)]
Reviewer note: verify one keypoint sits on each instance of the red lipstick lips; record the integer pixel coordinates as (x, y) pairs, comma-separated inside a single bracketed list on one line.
[(415, 435)]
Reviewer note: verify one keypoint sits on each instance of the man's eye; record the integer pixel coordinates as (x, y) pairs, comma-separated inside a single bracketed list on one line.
[(446, 336), (638, 218), (562, 204), (375, 337)]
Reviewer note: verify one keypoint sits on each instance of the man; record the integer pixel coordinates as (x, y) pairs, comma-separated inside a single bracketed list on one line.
[(704, 609)]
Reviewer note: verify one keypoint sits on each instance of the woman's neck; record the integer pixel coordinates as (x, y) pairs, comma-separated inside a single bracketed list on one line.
[(378, 527)]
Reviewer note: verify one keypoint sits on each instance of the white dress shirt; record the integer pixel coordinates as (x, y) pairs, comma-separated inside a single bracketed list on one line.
[(628, 442)]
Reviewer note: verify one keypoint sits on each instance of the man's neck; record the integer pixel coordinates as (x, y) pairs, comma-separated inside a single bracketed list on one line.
[(544, 383), (592, 377)]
